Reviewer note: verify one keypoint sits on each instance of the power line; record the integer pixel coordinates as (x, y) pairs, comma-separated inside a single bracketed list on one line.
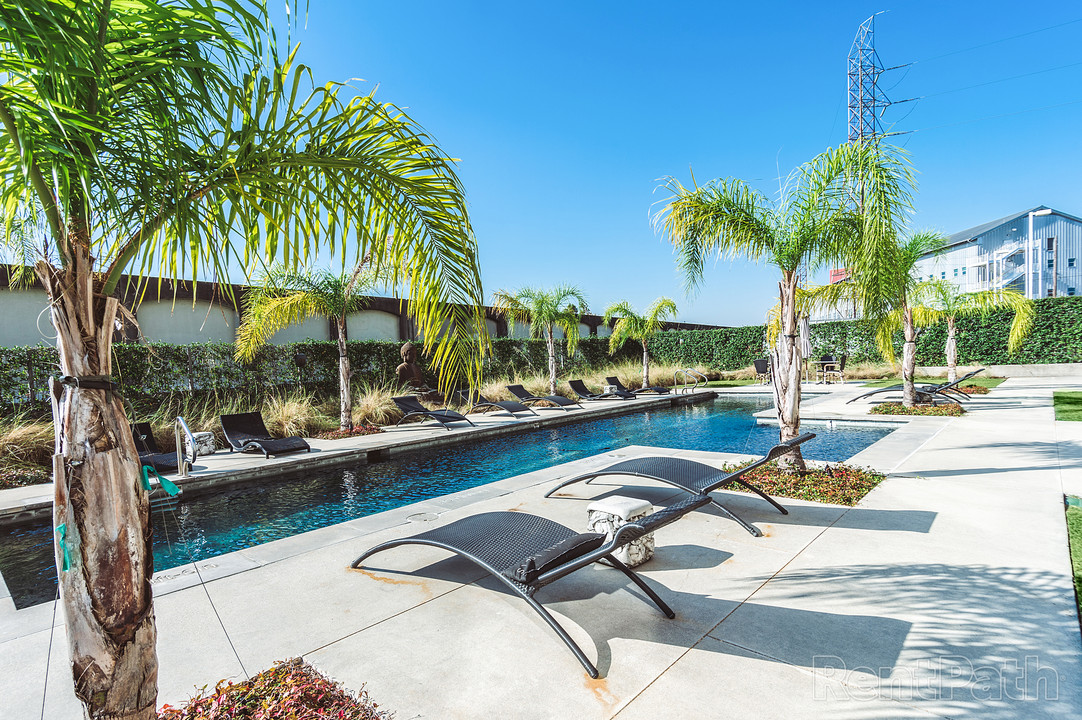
[(996, 42), (988, 117), (999, 80)]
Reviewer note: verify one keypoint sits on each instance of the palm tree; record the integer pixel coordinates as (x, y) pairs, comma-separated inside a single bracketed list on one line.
[(545, 310), (170, 137), (890, 295), (632, 326), (952, 305), (832, 211), (286, 297)]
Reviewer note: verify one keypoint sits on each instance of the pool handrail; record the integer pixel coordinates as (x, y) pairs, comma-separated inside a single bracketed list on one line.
[(688, 373)]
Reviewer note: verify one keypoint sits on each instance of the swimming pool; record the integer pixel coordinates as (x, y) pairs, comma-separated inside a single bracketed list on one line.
[(240, 517)]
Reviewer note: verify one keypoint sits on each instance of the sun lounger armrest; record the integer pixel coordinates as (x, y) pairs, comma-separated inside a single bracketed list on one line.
[(650, 523)]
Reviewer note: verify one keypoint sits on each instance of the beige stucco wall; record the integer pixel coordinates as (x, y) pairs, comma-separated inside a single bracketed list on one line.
[(22, 321), (183, 323), (372, 325), (315, 328)]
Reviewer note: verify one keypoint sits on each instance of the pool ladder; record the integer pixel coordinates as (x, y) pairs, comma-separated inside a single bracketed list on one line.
[(692, 379)]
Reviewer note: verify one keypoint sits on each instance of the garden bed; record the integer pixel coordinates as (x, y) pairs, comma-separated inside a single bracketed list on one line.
[(896, 408), (838, 484), (291, 690)]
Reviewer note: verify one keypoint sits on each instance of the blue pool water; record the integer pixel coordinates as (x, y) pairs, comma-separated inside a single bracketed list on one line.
[(233, 519)]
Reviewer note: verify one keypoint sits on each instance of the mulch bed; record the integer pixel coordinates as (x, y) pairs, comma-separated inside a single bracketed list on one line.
[(355, 432), (291, 690), (974, 389), (838, 484), (895, 408), (23, 476)]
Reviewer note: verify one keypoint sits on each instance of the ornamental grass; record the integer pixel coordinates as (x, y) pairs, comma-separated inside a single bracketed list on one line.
[(291, 690)]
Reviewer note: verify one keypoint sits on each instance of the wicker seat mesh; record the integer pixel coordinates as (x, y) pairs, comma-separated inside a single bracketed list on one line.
[(692, 475)]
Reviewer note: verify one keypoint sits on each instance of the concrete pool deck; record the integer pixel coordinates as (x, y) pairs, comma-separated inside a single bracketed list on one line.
[(945, 593)]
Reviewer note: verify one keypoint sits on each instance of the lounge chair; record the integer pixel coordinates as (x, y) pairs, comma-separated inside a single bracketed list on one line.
[(149, 452), (694, 477), (527, 399), (928, 393), (480, 401), (835, 373), (762, 370), (245, 432), (526, 552), (580, 389), (412, 407), (615, 381)]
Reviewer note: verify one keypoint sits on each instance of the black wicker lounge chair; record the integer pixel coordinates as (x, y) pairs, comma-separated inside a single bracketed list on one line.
[(527, 399), (149, 452), (480, 401), (762, 370), (615, 382), (694, 477), (580, 389), (412, 407), (527, 552), (929, 393), (246, 432)]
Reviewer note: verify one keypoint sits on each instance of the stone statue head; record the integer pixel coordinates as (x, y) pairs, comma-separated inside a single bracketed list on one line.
[(408, 353)]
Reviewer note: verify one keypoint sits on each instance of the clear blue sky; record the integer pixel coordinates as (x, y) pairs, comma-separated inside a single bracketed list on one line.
[(566, 116)]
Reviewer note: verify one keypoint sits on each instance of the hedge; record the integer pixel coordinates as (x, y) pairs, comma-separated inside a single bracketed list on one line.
[(156, 370), (153, 371)]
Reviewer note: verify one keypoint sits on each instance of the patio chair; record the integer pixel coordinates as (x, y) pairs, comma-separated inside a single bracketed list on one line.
[(695, 477), (245, 432), (480, 401), (762, 370), (824, 365), (928, 393), (527, 552), (527, 399), (615, 382), (412, 407), (149, 452), (580, 389), (836, 373)]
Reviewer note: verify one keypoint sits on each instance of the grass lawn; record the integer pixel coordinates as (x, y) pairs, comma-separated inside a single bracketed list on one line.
[(1068, 405), (729, 383), (1074, 537), (988, 382)]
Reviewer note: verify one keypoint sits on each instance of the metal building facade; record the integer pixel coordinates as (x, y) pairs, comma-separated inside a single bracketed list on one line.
[(1037, 252)]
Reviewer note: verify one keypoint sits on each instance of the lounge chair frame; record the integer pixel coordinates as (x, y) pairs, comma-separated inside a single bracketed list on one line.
[(579, 388), (615, 381), (412, 407), (498, 542), (245, 432), (694, 477), (480, 401), (149, 452), (526, 398), (928, 393)]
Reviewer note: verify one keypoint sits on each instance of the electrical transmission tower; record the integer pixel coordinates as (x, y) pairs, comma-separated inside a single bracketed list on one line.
[(866, 101)]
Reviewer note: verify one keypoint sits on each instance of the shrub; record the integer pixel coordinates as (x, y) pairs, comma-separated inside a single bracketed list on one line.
[(838, 484), (895, 408)]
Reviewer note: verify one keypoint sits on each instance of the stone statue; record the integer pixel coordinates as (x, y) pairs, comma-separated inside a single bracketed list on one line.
[(411, 376)]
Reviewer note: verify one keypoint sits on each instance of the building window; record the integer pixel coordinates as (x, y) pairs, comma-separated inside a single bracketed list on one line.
[(943, 275), (1070, 291), (1070, 262), (1050, 243), (963, 271), (1051, 263), (1049, 292), (955, 272)]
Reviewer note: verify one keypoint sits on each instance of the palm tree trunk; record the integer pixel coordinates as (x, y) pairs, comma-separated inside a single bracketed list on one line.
[(345, 421), (952, 350), (909, 359), (103, 508), (551, 344), (786, 373), (645, 366)]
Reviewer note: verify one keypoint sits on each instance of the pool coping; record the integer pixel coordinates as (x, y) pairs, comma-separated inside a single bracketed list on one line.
[(34, 503)]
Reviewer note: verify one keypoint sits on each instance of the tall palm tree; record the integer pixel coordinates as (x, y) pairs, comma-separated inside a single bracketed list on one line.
[(952, 304), (632, 326), (286, 297), (169, 136), (833, 210), (545, 310)]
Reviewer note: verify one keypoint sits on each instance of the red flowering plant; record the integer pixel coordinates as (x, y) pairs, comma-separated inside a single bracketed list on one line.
[(839, 484), (291, 690), (893, 408)]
